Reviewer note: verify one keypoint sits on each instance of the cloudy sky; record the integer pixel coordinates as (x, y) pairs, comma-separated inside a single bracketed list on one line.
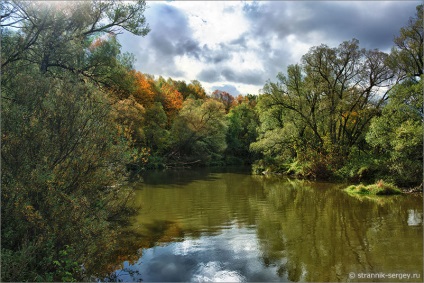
[(236, 46)]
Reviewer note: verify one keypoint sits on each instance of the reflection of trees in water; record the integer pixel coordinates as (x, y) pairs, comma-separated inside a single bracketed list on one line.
[(325, 234), (310, 231)]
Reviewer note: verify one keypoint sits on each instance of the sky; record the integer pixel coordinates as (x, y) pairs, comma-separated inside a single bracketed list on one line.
[(236, 46)]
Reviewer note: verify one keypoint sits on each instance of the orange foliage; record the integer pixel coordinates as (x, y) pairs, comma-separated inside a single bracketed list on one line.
[(352, 115), (173, 100), (145, 92), (240, 99), (96, 43)]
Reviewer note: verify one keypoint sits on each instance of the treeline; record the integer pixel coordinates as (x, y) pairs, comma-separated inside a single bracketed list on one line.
[(78, 120), (343, 113), (170, 123)]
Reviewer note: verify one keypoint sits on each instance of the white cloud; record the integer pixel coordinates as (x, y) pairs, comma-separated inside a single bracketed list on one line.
[(240, 44), (214, 22)]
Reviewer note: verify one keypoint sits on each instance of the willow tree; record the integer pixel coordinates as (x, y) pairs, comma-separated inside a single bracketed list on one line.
[(407, 55), (330, 99)]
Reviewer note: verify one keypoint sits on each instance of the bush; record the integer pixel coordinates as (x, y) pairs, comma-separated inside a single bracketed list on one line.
[(378, 189), (62, 164)]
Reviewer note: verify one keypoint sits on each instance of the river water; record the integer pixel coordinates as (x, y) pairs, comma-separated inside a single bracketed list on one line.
[(230, 226)]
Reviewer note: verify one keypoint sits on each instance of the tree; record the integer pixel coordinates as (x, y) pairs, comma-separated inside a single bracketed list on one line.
[(407, 56), (61, 162), (196, 89), (330, 99), (198, 132), (224, 97), (156, 133), (397, 135), (170, 97), (145, 89), (242, 131), (59, 37)]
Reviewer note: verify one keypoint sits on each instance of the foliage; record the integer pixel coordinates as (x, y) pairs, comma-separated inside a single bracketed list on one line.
[(242, 131), (198, 132), (61, 164), (76, 117), (379, 189), (347, 113), (223, 97), (321, 108), (63, 160), (397, 135), (407, 55)]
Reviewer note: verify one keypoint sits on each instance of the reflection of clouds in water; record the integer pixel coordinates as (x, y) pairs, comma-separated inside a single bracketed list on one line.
[(187, 246), (212, 272), (231, 256), (415, 218), (239, 240)]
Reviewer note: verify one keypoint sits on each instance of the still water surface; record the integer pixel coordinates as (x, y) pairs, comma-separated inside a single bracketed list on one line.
[(206, 226)]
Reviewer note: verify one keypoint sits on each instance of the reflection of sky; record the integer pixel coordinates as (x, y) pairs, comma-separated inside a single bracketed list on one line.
[(232, 256), (415, 218)]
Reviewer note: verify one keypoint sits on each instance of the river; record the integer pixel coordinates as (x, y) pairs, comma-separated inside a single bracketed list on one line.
[(227, 225)]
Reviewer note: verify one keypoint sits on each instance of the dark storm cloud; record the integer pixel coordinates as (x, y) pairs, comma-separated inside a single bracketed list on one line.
[(170, 33), (215, 74), (373, 23), (170, 36), (243, 76), (220, 54), (277, 33), (314, 23)]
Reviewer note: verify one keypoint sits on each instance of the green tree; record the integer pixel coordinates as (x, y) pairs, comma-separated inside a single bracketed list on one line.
[(242, 131), (329, 99), (198, 132), (68, 37), (407, 55), (61, 162), (278, 138), (397, 135)]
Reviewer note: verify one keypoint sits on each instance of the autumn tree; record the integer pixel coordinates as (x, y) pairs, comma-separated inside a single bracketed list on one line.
[(170, 97), (196, 89), (224, 97), (145, 91)]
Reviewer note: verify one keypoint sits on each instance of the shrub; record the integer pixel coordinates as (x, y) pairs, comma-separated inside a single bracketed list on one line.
[(378, 189)]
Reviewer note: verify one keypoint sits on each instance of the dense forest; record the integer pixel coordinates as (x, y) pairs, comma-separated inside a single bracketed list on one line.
[(78, 121)]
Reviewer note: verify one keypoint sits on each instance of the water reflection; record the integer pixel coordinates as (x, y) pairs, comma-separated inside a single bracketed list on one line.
[(230, 256), (214, 226), (415, 218)]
